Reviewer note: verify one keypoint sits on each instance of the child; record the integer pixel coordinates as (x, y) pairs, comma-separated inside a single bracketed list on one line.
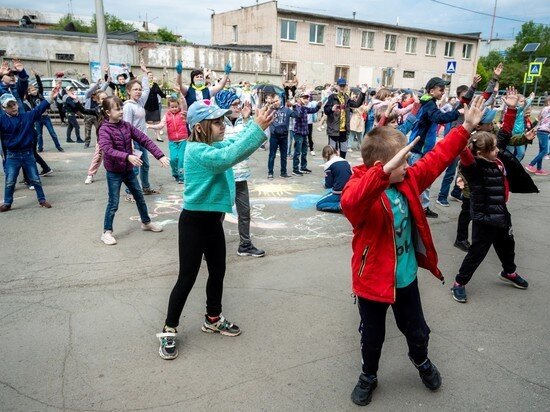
[(301, 109), (381, 200), (209, 193), (519, 125), (73, 107), (278, 137), (337, 174), (119, 159), (18, 134), (98, 154), (543, 133), (175, 121), (491, 173)]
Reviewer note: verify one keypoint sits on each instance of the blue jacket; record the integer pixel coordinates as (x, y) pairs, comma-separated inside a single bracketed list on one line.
[(19, 89), (337, 174), (281, 121), (18, 131), (429, 116)]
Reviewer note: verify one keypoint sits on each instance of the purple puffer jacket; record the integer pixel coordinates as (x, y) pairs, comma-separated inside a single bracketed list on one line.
[(115, 140)]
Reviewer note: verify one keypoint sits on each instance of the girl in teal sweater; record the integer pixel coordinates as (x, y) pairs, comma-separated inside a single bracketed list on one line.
[(209, 194)]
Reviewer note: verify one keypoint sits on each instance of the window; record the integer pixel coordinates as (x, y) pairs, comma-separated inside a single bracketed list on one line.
[(341, 72), (467, 51), (288, 69), (64, 56), (411, 45), (431, 46), (449, 49), (235, 34), (391, 40), (316, 33), (407, 74), (343, 37), (387, 76), (288, 30), (367, 40)]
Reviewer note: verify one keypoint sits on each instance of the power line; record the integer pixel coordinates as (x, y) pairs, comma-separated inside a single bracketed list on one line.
[(483, 13)]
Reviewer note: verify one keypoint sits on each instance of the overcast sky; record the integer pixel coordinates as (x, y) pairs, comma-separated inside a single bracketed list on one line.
[(191, 19)]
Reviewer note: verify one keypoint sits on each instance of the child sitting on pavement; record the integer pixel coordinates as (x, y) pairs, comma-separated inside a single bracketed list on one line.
[(337, 174), (392, 239)]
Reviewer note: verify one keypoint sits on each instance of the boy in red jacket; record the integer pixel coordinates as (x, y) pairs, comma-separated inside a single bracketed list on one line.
[(391, 239)]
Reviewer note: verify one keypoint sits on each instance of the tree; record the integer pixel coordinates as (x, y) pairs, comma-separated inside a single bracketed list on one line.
[(113, 24), (79, 25)]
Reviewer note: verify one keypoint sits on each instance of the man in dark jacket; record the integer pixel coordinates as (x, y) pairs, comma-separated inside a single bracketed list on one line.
[(338, 110)]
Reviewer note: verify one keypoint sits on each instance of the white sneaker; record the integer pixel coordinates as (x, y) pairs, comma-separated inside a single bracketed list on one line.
[(313, 152), (89, 179), (320, 129), (350, 150), (153, 227), (107, 238)]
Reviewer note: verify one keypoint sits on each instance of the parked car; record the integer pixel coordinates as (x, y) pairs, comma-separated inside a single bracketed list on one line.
[(49, 83)]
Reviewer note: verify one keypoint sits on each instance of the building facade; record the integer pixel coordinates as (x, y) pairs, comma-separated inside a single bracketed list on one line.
[(321, 48)]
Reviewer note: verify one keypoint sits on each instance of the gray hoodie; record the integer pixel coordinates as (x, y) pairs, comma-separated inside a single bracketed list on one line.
[(133, 112)]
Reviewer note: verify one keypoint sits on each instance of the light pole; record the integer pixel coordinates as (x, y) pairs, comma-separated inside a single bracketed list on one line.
[(101, 35)]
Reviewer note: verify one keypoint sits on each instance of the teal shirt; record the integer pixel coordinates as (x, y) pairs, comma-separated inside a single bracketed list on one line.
[(407, 265), (209, 182)]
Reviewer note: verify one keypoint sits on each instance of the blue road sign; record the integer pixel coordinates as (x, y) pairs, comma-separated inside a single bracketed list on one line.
[(451, 67)]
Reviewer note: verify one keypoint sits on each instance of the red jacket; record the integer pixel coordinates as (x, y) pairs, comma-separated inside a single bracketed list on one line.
[(368, 209)]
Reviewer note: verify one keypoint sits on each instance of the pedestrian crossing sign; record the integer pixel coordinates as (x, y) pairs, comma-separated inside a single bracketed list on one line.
[(451, 67), (535, 69), (527, 78)]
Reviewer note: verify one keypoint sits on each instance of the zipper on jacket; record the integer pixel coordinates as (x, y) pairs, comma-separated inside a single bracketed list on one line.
[(394, 251), (363, 260)]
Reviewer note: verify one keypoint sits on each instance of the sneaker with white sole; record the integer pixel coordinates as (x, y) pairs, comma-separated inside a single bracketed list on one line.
[(89, 180), (313, 152), (151, 227), (167, 338), (221, 326), (107, 238)]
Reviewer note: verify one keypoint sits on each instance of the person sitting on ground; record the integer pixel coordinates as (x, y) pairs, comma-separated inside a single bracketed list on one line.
[(337, 174)]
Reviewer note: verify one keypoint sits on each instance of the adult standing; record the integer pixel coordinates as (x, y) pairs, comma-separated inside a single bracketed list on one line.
[(152, 105), (290, 85), (198, 90)]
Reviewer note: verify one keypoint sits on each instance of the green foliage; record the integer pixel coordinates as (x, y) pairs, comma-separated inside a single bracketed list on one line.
[(79, 24), (166, 35), (113, 24), (516, 62)]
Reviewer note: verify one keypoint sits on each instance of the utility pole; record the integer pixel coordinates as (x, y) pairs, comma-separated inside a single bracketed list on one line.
[(101, 35), (493, 22)]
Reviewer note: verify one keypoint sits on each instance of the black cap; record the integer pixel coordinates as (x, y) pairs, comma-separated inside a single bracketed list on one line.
[(436, 82)]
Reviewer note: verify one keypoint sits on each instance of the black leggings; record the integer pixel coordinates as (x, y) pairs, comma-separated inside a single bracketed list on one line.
[(199, 233), (409, 317), (310, 136)]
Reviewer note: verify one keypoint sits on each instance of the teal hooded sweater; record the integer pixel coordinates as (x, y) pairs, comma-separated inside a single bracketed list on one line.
[(209, 182)]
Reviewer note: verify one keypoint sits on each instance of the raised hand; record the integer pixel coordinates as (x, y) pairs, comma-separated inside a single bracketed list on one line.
[(264, 117), (106, 69), (246, 110), (227, 69), (497, 71), (511, 97), (179, 67), (474, 113), (400, 157), (531, 134), (18, 65), (477, 79), (142, 66), (364, 88), (5, 68), (55, 91)]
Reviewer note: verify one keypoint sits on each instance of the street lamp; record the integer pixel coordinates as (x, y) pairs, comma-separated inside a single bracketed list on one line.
[(529, 48)]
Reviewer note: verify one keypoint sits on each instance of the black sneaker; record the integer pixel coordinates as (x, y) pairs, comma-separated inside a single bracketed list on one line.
[(270, 176), (362, 393), (60, 149), (305, 170), (459, 293), (46, 172), (80, 141), (429, 374), (430, 213), (221, 326), (285, 176), (514, 279), (250, 250), (167, 338), (70, 141), (297, 173), (456, 197), (463, 245)]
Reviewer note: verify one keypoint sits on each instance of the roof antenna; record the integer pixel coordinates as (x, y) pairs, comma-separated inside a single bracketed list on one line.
[(354, 13), (397, 23)]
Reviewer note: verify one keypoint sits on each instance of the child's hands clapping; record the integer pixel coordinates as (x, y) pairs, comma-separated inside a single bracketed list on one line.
[(400, 157), (264, 117), (136, 161), (164, 161), (511, 98), (473, 114)]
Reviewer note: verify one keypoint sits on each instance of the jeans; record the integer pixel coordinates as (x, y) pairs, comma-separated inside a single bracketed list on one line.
[(290, 139), (518, 151), (143, 170), (277, 141), (357, 136), (73, 124), (409, 318), (46, 121), (448, 178), (38, 160), (114, 182), (425, 195), (310, 135), (543, 149), (483, 236), (446, 129), (199, 233), (369, 124), (300, 152), (329, 203), (177, 154), (14, 162), (242, 204)]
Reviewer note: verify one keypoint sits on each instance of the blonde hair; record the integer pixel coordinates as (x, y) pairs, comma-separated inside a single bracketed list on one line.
[(482, 143), (204, 135), (328, 152), (382, 94), (380, 111), (381, 144)]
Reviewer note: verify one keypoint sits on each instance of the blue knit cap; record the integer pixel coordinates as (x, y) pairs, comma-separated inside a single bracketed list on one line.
[(224, 98)]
